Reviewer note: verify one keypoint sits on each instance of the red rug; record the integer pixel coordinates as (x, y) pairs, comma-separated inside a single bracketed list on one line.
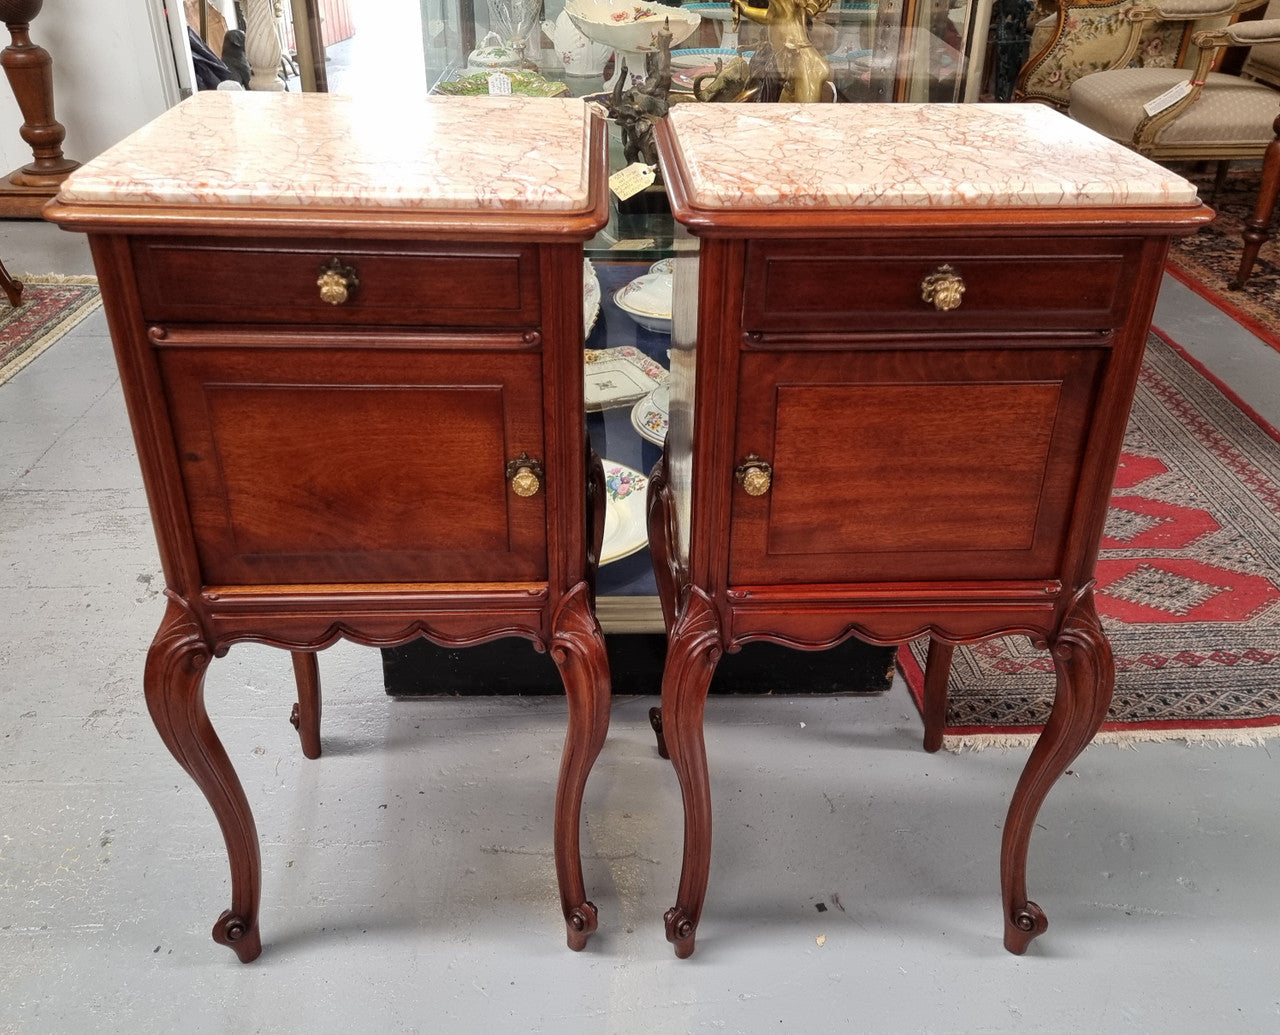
[(1208, 260), (1188, 582), (51, 305)]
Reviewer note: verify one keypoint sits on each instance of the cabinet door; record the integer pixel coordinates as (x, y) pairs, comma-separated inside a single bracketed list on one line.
[(338, 465), (914, 465)]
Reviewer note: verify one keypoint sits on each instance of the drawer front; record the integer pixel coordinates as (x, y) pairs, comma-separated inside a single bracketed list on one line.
[(918, 466), (278, 283), (876, 286), (332, 466)]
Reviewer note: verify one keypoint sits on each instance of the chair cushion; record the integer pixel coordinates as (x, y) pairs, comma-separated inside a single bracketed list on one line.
[(1230, 111)]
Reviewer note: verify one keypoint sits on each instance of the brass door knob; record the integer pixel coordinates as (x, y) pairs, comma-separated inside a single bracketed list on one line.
[(754, 475), (337, 282), (525, 475), (943, 287)]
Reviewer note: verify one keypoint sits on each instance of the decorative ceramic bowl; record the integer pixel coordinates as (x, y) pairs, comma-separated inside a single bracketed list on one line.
[(631, 28), (647, 300)]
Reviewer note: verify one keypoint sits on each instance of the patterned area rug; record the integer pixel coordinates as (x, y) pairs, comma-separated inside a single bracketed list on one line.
[(51, 306), (1188, 583), (1206, 261)]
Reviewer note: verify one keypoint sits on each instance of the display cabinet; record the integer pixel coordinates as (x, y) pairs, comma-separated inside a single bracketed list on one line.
[(879, 50)]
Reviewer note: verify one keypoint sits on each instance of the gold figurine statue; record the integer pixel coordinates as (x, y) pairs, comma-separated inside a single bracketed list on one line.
[(804, 71)]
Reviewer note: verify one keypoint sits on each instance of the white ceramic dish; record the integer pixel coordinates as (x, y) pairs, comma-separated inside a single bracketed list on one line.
[(619, 377), (625, 523), (667, 266), (631, 28), (590, 297), (647, 300), (651, 415), (699, 57)]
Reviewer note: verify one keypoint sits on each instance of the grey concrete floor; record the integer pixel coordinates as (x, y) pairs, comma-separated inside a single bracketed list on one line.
[(409, 883)]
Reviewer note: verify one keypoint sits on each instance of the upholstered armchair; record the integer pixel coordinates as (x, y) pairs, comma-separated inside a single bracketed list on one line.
[(1086, 36), (1169, 114)]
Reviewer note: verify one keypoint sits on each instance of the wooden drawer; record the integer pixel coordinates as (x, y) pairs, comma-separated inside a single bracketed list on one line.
[(276, 283), (871, 286), (304, 466)]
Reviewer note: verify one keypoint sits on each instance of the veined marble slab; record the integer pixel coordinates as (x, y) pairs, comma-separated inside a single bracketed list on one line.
[(841, 156), (292, 150)]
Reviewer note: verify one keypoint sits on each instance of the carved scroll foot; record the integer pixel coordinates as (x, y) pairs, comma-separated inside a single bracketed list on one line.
[(305, 716), (692, 654), (1026, 922), (681, 931), (1086, 675), (174, 686), (937, 669), (239, 935), (655, 720), (578, 649), (580, 923)]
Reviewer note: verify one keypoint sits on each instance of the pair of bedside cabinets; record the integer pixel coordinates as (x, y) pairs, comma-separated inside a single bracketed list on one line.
[(905, 339)]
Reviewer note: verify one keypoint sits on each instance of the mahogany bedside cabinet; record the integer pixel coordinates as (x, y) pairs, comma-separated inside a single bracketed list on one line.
[(905, 343), (352, 356)]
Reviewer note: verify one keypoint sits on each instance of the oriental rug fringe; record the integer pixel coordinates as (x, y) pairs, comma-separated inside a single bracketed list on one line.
[(1188, 583), (51, 306)]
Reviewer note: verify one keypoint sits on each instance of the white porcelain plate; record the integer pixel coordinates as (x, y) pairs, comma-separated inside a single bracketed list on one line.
[(650, 415), (625, 525), (590, 297), (619, 377)]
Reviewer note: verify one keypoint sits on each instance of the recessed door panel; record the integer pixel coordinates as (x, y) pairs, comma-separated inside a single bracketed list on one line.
[(321, 466), (927, 466)]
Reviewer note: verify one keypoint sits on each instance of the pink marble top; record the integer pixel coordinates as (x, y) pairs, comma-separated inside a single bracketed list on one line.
[(323, 150), (840, 156)]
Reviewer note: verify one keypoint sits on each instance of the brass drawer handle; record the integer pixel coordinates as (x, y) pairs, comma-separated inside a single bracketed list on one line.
[(943, 287), (754, 475), (337, 282), (525, 475)]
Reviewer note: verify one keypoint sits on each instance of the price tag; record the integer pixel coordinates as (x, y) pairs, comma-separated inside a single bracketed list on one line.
[(632, 180), (1167, 99), (499, 83)]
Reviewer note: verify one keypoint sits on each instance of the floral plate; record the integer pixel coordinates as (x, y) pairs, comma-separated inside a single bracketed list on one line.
[(620, 377), (625, 522)]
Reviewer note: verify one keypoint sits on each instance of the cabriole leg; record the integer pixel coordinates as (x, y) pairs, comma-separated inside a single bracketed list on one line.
[(174, 685), (1086, 676), (661, 543), (578, 649), (937, 669), (306, 712), (692, 654)]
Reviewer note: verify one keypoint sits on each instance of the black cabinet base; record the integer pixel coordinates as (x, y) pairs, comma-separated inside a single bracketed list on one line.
[(513, 667)]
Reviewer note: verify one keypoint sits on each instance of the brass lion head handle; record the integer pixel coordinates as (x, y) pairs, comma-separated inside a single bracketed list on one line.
[(943, 288), (337, 282)]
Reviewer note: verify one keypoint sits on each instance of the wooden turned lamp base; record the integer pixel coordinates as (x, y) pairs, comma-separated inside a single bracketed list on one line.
[(29, 69)]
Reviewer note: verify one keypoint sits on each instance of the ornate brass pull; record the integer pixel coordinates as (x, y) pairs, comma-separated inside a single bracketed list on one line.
[(754, 475), (943, 287), (337, 282), (525, 475)]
